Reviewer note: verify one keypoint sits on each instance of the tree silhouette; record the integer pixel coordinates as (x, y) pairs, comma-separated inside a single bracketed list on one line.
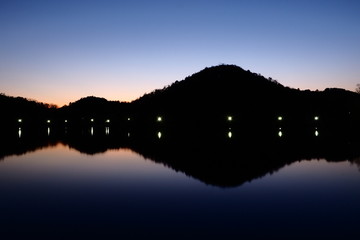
[(357, 90)]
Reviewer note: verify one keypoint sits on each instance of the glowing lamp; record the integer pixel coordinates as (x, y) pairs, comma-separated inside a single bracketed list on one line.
[(316, 118), (19, 120), (280, 118), (159, 119), (229, 118)]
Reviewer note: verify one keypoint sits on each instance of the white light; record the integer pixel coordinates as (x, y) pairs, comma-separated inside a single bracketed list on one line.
[(280, 118), (107, 120), (316, 118), (92, 131), (229, 118), (229, 134), (159, 119), (20, 120), (107, 130), (48, 131), (48, 121), (129, 119), (66, 121), (316, 133), (92, 120), (159, 135), (19, 132), (280, 133)]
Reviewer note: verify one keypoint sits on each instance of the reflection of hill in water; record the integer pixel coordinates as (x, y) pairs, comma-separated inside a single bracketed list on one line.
[(221, 163)]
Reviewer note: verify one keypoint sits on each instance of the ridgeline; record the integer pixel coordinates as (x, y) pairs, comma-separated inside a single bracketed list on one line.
[(217, 99)]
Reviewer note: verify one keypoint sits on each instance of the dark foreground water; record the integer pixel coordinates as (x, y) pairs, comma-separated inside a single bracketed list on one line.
[(58, 192)]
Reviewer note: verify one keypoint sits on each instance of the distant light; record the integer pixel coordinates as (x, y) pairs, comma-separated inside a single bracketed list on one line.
[(92, 120), (159, 135), (316, 118), (48, 121), (20, 120), (129, 119), (229, 134), (19, 133), (48, 131), (280, 118), (316, 133), (159, 119), (280, 133), (65, 121), (229, 118), (107, 120)]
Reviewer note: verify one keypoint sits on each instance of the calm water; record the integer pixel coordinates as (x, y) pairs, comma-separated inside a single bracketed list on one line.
[(59, 192)]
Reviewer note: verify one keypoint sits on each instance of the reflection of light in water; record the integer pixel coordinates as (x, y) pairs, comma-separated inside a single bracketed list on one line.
[(316, 133), (107, 130), (19, 132), (65, 130), (128, 134), (92, 131), (229, 134), (280, 133), (48, 131), (159, 135)]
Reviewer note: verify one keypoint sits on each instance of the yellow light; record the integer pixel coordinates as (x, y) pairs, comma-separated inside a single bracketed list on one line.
[(229, 118), (280, 118), (159, 135)]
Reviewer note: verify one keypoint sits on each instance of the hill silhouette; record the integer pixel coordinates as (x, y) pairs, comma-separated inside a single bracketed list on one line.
[(204, 102)]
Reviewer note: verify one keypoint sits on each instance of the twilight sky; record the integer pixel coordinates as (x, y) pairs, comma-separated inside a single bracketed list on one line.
[(57, 51)]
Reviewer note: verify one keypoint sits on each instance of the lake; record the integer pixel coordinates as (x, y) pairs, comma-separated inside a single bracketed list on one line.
[(57, 190)]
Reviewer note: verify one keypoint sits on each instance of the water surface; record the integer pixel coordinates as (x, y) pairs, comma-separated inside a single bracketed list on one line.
[(57, 191)]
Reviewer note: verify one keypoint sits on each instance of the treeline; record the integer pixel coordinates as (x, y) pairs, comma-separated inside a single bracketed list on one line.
[(203, 101)]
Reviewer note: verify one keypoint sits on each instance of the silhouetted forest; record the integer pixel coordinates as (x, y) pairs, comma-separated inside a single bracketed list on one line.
[(216, 99)]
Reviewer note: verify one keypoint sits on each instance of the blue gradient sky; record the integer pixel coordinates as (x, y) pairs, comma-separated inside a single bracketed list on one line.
[(59, 51)]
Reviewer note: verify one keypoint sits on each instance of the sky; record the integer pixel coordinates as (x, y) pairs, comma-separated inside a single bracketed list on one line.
[(57, 51)]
